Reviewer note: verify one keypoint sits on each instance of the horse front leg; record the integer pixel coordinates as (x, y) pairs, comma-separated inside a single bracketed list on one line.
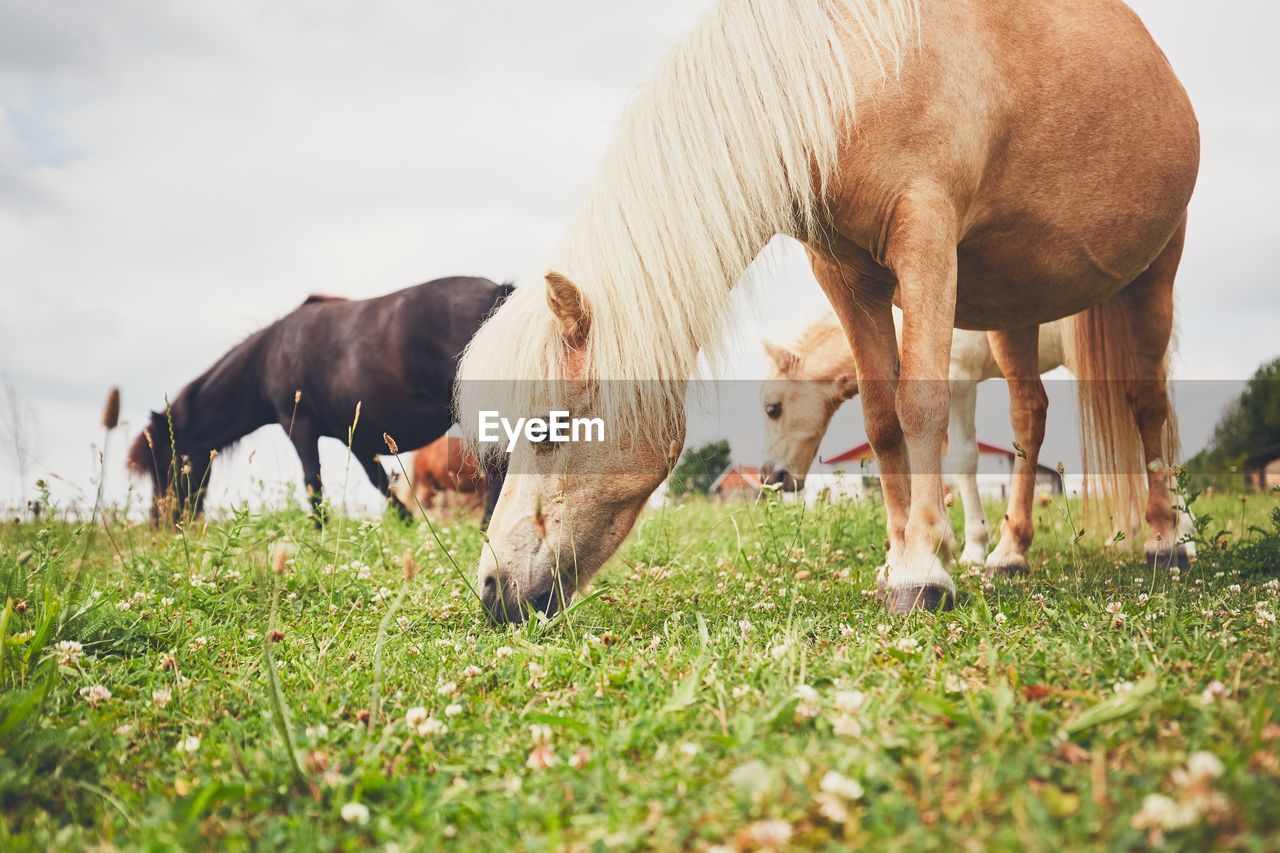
[(962, 464), (1017, 354), (921, 252), (305, 439), (865, 313)]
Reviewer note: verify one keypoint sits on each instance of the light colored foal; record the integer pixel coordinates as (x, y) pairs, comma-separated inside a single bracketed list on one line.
[(811, 379)]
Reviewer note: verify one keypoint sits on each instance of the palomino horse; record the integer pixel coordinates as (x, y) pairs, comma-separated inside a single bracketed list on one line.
[(1008, 163), (444, 467), (809, 381), (395, 356)]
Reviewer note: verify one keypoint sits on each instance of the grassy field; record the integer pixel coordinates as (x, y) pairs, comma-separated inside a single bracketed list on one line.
[(732, 682)]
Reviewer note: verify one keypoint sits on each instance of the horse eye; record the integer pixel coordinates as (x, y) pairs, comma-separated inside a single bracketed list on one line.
[(773, 410)]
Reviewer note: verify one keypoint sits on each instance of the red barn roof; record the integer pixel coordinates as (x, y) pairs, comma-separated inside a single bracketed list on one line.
[(863, 452)]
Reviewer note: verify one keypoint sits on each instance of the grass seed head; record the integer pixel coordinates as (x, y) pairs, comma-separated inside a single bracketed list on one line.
[(111, 411)]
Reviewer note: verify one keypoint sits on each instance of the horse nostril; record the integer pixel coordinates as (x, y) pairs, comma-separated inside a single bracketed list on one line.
[(490, 586)]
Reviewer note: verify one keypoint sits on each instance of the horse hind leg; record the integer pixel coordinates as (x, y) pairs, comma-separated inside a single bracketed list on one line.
[(1148, 304), (962, 463), (305, 441), (1017, 354)]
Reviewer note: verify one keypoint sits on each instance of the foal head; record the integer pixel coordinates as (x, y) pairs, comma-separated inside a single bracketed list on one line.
[(564, 507), (804, 388), (178, 481)]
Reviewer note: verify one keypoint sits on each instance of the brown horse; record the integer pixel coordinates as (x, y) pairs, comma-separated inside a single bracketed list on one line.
[(984, 164), (393, 356), (444, 467)]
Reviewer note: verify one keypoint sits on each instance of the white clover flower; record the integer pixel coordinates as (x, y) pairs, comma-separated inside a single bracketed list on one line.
[(431, 727), (1159, 812), (541, 757), (907, 645), (70, 652), (95, 695), (847, 726), (453, 710), (850, 701), (1214, 691), (840, 785), (357, 813), (160, 698), (1204, 765), (770, 834), (189, 744)]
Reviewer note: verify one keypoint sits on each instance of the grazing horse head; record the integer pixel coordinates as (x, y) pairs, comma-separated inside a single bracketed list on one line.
[(734, 141), (178, 473), (564, 507), (805, 386)]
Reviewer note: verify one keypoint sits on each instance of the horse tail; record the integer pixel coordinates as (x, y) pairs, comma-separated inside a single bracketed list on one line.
[(1115, 474)]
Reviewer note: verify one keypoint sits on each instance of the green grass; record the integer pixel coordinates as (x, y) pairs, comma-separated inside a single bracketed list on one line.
[(668, 720)]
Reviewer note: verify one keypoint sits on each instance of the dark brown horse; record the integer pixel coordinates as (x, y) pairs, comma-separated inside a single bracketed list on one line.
[(394, 355)]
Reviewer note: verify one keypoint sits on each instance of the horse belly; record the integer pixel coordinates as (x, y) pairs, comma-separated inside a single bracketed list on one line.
[(1025, 285)]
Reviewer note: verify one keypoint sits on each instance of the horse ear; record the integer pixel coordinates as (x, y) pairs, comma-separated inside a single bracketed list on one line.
[(569, 306), (847, 386), (784, 359)]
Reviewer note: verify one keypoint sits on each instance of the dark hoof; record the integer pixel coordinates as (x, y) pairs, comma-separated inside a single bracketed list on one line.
[(1008, 567), (1168, 559), (908, 599)]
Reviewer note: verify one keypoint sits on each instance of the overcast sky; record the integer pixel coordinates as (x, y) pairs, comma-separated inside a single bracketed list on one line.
[(175, 175)]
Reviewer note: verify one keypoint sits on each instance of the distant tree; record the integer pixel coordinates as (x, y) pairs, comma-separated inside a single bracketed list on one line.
[(1249, 425), (699, 468)]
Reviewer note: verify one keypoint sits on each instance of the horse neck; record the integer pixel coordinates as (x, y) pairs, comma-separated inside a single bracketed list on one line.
[(226, 402)]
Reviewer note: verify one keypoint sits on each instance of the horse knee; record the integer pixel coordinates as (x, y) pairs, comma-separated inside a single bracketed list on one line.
[(923, 409), (884, 432)]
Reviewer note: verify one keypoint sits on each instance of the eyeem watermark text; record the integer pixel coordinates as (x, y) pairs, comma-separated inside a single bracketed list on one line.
[(557, 427)]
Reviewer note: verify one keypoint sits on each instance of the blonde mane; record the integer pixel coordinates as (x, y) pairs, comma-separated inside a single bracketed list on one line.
[(733, 141)]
